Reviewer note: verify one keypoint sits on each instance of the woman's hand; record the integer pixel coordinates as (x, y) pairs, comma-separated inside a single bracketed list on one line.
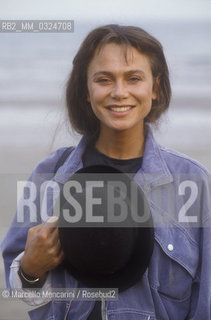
[(43, 250)]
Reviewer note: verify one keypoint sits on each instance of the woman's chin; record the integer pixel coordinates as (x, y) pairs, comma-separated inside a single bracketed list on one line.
[(123, 127)]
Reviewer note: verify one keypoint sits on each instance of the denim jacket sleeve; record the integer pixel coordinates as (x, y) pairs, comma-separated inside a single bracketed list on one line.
[(200, 307), (15, 282), (15, 239), (200, 300)]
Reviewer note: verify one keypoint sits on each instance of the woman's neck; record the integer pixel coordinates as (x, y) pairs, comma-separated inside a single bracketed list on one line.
[(121, 144)]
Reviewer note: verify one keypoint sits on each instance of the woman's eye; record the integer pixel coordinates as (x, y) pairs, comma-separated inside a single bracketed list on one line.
[(103, 80), (134, 79)]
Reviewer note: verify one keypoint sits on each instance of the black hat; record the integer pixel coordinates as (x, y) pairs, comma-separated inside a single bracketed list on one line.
[(106, 250)]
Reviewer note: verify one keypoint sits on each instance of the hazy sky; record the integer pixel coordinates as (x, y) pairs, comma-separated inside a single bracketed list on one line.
[(112, 10)]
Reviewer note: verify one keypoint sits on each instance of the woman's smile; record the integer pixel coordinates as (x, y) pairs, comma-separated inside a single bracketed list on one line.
[(119, 110)]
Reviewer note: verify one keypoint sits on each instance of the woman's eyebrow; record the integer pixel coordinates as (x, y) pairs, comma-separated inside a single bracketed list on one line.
[(108, 73), (100, 73), (135, 71)]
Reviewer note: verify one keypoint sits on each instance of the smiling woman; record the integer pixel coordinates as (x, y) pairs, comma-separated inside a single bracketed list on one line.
[(118, 87), (120, 91), (124, 76)]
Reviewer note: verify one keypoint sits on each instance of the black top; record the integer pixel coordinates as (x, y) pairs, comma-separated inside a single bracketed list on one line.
[(96, 312), (93, 157)]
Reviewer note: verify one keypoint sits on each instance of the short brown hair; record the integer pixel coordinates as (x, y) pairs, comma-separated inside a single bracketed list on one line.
[(81, 116)]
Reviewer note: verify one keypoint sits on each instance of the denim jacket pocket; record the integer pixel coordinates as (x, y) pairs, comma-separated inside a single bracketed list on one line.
[(174, 263), (130, 314), (172, 270)]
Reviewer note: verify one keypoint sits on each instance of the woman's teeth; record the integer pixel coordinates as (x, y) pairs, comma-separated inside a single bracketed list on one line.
[(120, 109)]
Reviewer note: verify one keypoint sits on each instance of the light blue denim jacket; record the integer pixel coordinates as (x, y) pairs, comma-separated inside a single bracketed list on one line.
[(177, 283)]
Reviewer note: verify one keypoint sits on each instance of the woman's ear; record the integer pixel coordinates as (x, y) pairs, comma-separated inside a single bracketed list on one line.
[(156, 86)]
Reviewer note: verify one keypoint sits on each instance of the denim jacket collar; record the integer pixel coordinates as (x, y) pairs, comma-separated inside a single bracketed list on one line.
[(154, 171)]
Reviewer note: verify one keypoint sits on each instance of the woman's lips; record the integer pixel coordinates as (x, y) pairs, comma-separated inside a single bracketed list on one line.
[(120, 109)]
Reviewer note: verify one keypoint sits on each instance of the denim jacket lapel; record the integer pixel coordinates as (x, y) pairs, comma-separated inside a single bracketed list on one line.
[(154, 171)]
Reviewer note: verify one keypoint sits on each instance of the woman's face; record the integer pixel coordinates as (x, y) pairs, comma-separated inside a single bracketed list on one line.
[(120, 90)]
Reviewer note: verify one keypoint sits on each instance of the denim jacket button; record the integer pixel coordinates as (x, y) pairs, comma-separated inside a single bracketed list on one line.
[(170, 247)]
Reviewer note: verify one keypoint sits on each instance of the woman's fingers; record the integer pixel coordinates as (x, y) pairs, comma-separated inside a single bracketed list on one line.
[(43, 249)]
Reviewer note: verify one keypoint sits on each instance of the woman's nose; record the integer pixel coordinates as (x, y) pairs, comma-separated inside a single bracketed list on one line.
[(119, 90)]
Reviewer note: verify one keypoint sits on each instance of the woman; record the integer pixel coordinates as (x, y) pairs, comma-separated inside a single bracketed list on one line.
[(118, 86)]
